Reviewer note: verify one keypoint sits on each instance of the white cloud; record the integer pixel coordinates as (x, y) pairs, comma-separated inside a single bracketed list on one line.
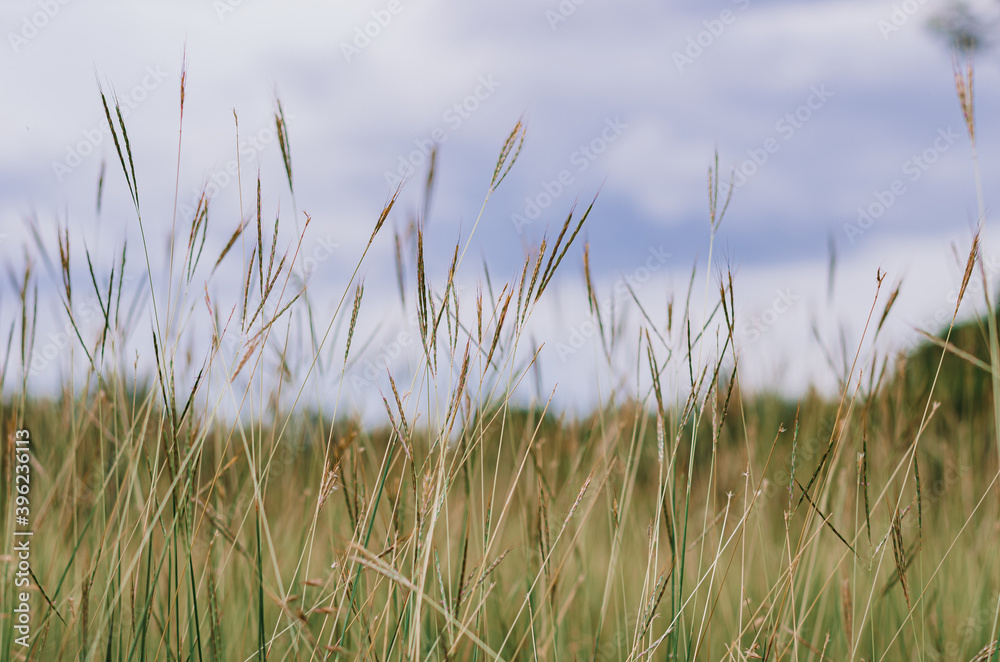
[(352, 121)]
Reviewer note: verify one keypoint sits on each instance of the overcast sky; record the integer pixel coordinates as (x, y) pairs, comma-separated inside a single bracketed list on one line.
[(820, 109)]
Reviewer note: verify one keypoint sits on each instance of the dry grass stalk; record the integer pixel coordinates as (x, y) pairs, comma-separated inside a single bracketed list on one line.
[(899, 555)]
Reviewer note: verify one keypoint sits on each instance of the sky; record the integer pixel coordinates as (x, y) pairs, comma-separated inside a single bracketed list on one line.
[(837, 122)]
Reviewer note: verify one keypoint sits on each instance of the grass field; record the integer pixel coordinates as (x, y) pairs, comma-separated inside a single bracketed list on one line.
[(685, 519)]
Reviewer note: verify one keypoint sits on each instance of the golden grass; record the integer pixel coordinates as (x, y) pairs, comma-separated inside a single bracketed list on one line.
[(683, 519)]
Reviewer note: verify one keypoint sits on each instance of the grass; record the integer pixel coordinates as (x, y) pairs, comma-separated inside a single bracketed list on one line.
[(685, 518)]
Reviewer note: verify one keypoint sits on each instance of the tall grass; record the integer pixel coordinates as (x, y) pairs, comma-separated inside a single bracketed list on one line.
[(205, 509)]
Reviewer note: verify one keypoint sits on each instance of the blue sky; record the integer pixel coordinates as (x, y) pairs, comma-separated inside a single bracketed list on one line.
[(630, 98)]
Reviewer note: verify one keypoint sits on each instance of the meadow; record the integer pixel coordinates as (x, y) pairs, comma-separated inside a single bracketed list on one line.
[(685, 518)]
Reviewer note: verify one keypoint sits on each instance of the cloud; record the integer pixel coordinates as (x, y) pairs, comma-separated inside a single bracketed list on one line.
[(356, 116)]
